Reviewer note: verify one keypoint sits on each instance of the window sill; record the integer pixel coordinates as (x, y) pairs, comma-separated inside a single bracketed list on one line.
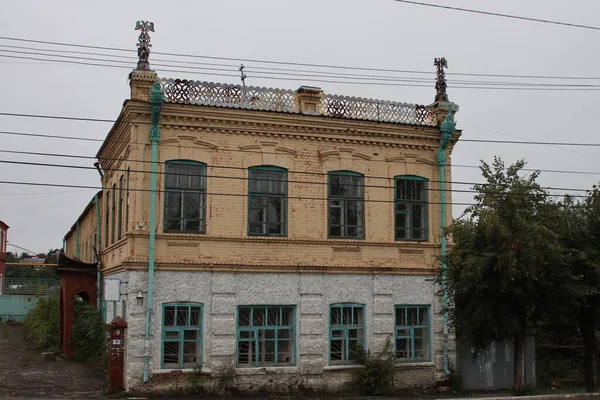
[(182, 370), (288, 369), (183, 233), (414, 365), (342, 367)]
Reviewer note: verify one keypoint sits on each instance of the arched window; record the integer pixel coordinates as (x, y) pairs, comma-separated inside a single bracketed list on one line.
[(185, 197), (127, 201), (114, 212), (107, 227), (120, 219), (411, 208), (345, 196), (267, 201)]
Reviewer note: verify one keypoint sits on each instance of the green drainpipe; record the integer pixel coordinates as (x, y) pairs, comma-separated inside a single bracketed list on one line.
[(447, 129), (77, 240), (156, 99), (98, 244)]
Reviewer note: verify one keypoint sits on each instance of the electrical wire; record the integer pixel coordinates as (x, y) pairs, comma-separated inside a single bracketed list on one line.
[(327, 66), (252, 151), (320, 174), (22, 248), (589, 144), (495, 14), (300, 198), (311, 79), (275, 71)]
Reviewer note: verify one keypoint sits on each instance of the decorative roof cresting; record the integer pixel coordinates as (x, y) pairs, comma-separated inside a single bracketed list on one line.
[(143, 44), (182, 91)]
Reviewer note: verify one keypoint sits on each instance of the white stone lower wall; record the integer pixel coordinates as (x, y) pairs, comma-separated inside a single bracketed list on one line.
[(221, 294)]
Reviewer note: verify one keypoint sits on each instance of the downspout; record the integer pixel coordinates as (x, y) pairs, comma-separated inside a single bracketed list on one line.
[(98, 257), (99, 247), (156, 100), (77, 239), (447, 128)]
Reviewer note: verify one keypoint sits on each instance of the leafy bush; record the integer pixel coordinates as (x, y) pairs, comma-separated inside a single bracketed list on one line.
[(89, 333), (377, 377), (43, 324)]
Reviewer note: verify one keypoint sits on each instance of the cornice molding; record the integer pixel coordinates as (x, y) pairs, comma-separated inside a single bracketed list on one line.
[(300, 269)]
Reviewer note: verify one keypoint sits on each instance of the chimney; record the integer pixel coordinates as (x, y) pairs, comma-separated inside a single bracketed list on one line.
[(308, 100)]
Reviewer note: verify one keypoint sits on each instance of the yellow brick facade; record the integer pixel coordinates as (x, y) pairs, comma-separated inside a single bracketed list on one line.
[(229, 141), (80, 241)]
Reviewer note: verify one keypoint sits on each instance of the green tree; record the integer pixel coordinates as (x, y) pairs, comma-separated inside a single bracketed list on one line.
[(578, 226), (498, 267)]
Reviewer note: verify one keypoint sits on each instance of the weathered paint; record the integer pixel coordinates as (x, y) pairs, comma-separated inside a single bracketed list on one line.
[(312, 294), (447, 128), (98, 245), (156, 98)]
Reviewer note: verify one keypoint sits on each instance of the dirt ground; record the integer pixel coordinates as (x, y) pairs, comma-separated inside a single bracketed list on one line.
[(23, 372)]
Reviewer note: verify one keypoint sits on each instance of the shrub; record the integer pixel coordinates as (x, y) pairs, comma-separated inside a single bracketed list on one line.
[(90, 334), (377, 377), (43, 324)]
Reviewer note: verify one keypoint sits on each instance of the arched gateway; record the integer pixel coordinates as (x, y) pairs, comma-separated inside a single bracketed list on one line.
[(77, 282)]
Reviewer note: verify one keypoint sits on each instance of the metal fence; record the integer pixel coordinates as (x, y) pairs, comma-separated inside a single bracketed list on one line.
[(560, 365), (31, 286)]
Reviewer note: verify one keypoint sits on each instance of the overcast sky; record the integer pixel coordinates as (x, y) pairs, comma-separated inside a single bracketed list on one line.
[(358, 33)]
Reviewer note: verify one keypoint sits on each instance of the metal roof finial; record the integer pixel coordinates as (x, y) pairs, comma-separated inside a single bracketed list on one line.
[(440, 84), (143, 44), (243, 75)]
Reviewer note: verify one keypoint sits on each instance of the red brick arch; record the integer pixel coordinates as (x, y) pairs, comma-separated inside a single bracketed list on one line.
[(75, 278)]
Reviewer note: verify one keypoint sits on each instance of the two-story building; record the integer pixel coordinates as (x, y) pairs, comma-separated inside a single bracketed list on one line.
[(272, 232)]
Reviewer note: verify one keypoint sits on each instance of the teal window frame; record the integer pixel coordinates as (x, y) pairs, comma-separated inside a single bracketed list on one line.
[(107, 227), (342, 204), (412, 335), (127, 200), (120, 217), (182, 332), (408, 202), (114, 211), (254, 332), (187, 191), (262, 197), (343, 330)]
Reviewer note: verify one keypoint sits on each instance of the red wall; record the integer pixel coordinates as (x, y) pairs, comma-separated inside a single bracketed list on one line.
[(70, 286)]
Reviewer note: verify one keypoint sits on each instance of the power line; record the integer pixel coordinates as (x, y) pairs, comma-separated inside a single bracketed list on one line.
[(22, 248), (306, 78), (589, 144), (275, 71), (252, 151), (302, 198), (546, 21), (44, 193), (343, 67), (243, 178), (321, 174)]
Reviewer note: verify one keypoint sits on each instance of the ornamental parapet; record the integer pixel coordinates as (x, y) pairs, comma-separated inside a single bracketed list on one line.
[(305, 100)]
